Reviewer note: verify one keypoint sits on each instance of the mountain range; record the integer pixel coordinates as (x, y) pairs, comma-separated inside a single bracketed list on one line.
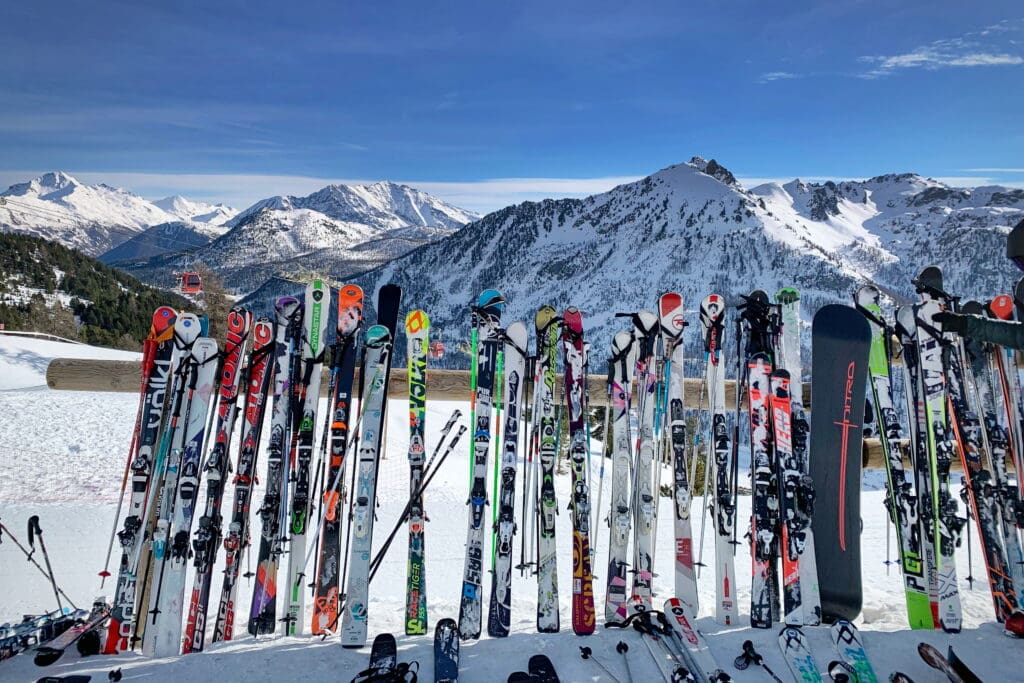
[(694, 229), (691, 227), (336, 232), (94, 218)]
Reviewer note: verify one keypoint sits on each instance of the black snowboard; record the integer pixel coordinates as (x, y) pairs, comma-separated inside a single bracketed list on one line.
[(840, 342), (542, 669), (446, 651), (384, 653)]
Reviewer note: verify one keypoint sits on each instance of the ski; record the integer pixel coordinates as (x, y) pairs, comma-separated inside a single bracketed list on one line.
[(237, 537), (487, 320), (548, 332), (763, 523), (952, 666), (681, 619), (157, 377), (287, 345), (620, 379), (712, 322), (645, 499), (208, 534), (762, 327), (850, 648), (670, 310), (797, 488), (446, 651), (979, 484), (187, 329), (417, 331), (984, 362), (375, 371), (171, 544), (946, 522), (317, 312), (797, 653), (575, 378), (343, 363), (901, 499), (500, 614)]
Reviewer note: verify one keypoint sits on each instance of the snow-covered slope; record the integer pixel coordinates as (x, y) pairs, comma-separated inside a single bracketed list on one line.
[(160, 239), (65, 454), (91, 218), (23, 359), (196, 212), (692, 228), (337, 231), (96, 218)]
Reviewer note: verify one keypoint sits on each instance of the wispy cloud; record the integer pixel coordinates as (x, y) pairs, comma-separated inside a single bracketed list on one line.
[(987, 47), (992, 170), (777, 76), (241, 190)]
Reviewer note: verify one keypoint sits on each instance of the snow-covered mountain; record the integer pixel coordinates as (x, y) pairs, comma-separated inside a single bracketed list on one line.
[(91, 218), (337, 231), (692, 228), (197, 212), (96, 218), (165, 238)]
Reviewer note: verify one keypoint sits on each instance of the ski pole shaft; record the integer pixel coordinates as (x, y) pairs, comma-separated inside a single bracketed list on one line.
[(35, 531), (430, 472), (622, 649), (28, 556)]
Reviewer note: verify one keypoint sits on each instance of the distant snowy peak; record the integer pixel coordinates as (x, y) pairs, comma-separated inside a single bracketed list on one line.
[(197, 212), (382, 206), (92, 218)]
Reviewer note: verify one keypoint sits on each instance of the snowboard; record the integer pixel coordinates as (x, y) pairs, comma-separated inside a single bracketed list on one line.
[(384, 652), (541, 670), (840, 341), (446, 651)]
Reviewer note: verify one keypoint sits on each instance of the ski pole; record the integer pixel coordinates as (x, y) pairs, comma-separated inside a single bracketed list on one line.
[(148, 353), (587, 653), (429, 474), (28, 556), (751, 656), (35, 531), (379, 557), (313, 545), (622, 649)]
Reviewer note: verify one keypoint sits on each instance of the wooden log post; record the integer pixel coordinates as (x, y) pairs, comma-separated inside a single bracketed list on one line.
[(75, 374)]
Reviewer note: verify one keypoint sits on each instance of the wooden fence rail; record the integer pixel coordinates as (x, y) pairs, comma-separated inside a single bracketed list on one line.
[(74, 374)]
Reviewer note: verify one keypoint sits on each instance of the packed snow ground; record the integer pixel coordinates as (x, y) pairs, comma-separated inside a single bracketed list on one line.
[(64, 454)]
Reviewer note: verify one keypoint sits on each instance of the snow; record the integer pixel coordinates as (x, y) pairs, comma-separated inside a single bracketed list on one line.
[(23, 360), (197, 212), (64, 456), (95, 218)]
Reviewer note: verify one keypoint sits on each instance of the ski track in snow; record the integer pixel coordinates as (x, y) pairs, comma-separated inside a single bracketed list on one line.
[(64, 455)]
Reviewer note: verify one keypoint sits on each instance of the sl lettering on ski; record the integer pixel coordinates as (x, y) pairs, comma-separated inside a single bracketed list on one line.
[(846, 425)]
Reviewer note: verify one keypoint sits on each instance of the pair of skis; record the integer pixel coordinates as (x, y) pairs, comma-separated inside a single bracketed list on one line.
[(853, 663), (376, 372)]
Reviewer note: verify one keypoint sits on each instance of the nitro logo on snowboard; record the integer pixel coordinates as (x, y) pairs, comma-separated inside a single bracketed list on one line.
[(846, 425)]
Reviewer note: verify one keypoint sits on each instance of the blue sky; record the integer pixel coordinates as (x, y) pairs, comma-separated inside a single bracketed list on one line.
[(488, 103)]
